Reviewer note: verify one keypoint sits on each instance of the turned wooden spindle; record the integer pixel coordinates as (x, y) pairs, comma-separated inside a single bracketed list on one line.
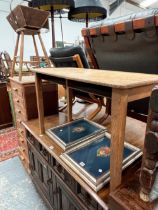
[(150, 153)]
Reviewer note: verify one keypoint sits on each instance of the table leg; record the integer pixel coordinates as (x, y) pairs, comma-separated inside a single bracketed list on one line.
[(39, 96), (69, 103), (118, 122)]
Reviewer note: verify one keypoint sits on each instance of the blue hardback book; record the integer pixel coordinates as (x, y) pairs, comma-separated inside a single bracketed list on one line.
[(75, 132), (91, 160)]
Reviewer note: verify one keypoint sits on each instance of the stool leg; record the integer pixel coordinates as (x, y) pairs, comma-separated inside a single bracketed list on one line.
[(15, 54), (44, 50), (21, 55), (36, 50)]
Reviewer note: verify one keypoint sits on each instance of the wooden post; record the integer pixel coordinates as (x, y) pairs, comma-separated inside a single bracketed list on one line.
[(69, 102), (15, 54), (21, 55), (44, 50), (118, 122), (39, 96), (36, 50), (53, 27)]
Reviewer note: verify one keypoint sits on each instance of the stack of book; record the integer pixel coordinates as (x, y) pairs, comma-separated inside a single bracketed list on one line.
[(87, 150)]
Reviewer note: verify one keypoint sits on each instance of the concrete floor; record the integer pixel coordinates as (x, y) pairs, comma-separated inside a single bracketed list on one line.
[(17, 191)]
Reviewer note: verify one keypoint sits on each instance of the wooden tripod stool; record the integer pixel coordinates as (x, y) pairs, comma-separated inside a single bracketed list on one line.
[(20, 35)]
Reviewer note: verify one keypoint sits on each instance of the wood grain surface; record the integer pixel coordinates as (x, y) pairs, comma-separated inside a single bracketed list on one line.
[(114, 79)]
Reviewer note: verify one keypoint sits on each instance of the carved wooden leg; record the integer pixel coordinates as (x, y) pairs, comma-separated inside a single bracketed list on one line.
[(150, 155)]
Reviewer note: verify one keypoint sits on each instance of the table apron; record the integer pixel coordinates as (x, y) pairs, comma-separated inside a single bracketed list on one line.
[(139, 92)]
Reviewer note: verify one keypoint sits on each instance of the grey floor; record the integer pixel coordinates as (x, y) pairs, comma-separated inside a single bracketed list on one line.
[(17, 191)]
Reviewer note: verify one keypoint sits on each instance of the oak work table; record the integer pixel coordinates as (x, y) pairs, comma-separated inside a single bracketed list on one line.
[(121, 87)]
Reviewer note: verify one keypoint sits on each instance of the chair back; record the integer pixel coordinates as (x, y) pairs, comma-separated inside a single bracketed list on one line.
[(128, 43), (73, 56)]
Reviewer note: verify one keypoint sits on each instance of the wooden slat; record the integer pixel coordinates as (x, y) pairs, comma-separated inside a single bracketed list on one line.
[(84, 32), (93, 31), (138, 24), (119, 27), (104, 30)]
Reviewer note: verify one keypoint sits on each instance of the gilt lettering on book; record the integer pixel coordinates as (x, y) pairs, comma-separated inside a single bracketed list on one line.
[(149, 175)]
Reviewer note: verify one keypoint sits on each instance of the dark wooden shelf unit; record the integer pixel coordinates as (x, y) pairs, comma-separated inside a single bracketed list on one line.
[(57, 187), (5, 110)]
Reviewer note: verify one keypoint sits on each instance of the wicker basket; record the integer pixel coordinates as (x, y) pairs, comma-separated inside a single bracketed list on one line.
[(26, 17)]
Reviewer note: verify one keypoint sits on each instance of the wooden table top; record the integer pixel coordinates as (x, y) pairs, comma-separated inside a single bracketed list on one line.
[(114, 79)]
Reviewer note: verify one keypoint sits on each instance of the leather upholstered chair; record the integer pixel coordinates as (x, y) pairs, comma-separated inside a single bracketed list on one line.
[(74, 56), (128, 43)]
